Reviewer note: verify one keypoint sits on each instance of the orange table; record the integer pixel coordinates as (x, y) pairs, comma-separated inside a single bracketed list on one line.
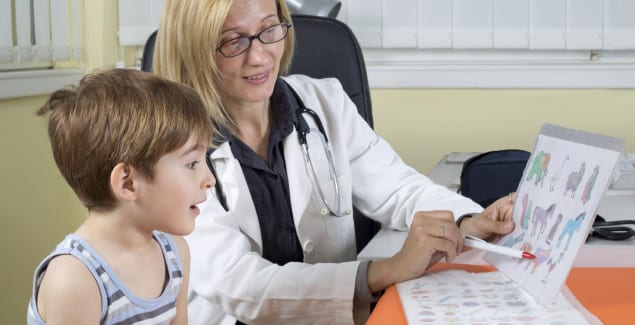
[(608, 293)]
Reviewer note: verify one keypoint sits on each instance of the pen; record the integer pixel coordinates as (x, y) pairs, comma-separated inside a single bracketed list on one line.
[(481, 244)]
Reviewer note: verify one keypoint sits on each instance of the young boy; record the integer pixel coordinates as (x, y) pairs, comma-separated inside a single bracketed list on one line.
[(132, 147)]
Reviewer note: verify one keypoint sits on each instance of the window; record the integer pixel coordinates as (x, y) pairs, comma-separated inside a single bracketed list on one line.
[(496, 43), (35, 35), (472, 43)]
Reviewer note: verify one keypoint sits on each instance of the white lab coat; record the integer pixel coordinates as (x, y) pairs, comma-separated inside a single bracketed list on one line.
[(228, 274)]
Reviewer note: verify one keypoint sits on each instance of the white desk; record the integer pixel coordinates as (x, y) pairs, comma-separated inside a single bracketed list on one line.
[(616, 204)]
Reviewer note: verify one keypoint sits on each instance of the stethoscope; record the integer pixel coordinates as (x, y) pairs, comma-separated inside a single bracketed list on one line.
[(329, 207)]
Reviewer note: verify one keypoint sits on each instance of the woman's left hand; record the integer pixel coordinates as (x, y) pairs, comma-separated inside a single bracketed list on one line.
[(494, 222)]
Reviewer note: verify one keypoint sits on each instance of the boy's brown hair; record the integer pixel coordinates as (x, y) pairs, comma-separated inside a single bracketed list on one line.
[(120, 116)]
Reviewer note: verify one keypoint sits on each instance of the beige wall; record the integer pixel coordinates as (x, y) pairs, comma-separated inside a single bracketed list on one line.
[(37, 209), (425, 124)]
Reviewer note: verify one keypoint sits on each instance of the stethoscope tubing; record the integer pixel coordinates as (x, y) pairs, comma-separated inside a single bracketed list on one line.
[(302, 138)]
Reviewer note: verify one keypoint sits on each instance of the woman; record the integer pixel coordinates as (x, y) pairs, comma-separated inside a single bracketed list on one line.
[(284, 249)]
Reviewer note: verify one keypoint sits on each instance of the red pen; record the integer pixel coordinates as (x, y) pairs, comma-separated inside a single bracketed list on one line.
[(503, 250)]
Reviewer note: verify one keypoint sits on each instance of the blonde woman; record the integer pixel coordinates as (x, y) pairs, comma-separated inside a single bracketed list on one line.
[(281, 249)]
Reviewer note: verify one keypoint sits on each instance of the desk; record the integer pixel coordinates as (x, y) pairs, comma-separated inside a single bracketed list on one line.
[(616, 204), (608, 293)]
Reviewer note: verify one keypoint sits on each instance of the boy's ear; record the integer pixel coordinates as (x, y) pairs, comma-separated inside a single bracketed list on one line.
[(123, 182)]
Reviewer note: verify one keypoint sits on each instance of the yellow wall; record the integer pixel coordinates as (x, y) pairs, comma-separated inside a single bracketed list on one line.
[(424, 124), (37, 209)]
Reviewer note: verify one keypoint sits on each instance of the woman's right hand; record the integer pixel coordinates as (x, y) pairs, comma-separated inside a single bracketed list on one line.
[(432, 236)]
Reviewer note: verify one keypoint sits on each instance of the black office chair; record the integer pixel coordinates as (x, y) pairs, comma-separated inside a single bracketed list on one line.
[(491, 175), (324, 47)]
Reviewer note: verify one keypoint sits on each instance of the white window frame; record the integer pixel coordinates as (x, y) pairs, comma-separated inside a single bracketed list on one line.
[(46, 32), (396, 58)]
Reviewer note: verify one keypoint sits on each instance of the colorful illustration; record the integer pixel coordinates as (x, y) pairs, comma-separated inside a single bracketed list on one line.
[(555, 178), (571, 227), (552, 263), (524, 221), (542, 255), (512, 241), (541, 216), (558, 224), (554, 228), (573, 181), (539, 167), (586, 195)]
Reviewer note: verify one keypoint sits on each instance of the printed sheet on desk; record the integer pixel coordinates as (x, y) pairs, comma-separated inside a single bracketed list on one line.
[(557, 198), (461, 297)]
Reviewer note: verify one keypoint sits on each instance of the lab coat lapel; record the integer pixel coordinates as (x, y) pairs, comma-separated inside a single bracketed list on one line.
[(237, 193), (299, 182)]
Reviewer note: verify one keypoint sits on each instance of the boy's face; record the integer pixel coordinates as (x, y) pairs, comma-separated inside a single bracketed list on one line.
[(181, 179)]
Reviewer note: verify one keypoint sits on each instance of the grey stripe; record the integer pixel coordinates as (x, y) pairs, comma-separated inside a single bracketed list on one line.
[(148, 315)]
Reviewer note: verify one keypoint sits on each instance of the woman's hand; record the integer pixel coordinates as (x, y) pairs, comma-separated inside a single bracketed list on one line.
[(494, 222), (432, 236)]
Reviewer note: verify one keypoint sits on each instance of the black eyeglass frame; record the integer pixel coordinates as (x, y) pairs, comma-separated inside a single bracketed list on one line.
[(251, 38)]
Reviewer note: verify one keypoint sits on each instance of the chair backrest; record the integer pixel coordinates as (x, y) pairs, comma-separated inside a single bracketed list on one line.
[(148, 52), (325, 47)]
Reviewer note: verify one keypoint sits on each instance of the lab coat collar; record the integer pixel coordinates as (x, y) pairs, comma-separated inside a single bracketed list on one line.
[(237, 192), (235, 186)]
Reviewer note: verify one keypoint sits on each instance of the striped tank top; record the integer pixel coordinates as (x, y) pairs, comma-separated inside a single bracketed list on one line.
[(119, 305)]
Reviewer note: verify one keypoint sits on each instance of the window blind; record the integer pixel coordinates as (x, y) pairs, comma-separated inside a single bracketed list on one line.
[(493, 24), (36, 33), (137, 20), (472, 43)]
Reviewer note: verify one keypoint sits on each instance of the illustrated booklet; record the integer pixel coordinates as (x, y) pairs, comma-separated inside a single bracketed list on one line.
[(565, 178), (556, 202)]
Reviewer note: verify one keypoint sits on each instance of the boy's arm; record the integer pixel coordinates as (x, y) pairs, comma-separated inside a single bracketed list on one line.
[(68, 293), (181, 300)]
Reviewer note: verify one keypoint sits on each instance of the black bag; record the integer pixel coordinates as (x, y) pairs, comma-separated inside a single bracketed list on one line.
[(491, 175)]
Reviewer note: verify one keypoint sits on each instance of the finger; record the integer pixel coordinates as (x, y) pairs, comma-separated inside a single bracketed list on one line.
[(435, 234), (445, 247), (423, 218), (446, 230), (511, 198), (499, 227)]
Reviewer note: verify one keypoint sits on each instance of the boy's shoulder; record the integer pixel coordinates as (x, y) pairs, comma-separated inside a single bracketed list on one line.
[(67, 276)]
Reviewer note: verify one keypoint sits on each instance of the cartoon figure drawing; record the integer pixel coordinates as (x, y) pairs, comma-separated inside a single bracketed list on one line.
[(570, 227), (573, 181), (553, 179), (525, 247), (539, 168), (586, 194), (541, 215), (552, 262), (511, 241), (542, 255), (524, 219), (552, 232)]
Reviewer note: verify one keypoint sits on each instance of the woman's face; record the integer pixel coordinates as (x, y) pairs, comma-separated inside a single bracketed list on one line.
[(250, 77)]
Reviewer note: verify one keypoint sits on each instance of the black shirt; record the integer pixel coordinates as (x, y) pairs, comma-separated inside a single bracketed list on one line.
[(268, 182)]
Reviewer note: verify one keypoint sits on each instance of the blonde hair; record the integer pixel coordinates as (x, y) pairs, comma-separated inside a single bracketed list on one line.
[(120, 116), (185, 48)]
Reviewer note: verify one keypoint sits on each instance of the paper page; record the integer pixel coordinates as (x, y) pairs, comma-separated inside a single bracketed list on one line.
[(557, 198), (460, 297)]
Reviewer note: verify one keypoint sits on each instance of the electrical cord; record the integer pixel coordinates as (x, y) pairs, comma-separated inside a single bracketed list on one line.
[(612, 230)]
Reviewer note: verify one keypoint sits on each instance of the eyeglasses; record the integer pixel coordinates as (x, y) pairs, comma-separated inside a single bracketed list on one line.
[(240, 45)]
